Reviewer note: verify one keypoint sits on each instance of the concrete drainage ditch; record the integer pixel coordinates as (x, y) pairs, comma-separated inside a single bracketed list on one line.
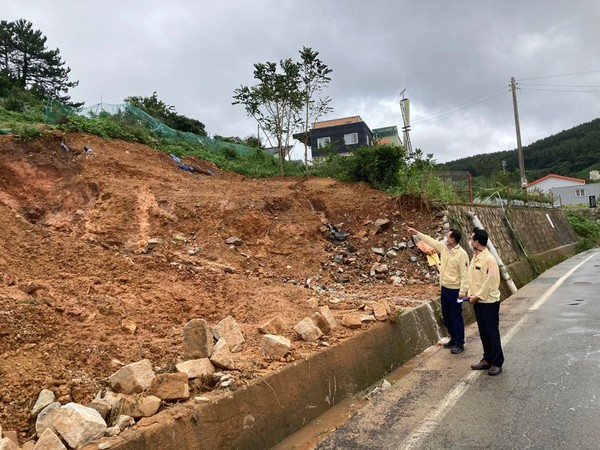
[(268, 410)]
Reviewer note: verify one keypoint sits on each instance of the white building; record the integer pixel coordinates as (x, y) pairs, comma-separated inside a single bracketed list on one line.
[(575, 195), (594, 175), (548, 182)]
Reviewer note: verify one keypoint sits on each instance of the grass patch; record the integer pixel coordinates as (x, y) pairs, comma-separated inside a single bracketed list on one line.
[(383, 167), (587, 229), (108, 128)]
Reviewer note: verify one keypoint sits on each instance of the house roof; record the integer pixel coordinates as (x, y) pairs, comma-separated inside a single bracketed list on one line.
[(552, 175), (335, 122)]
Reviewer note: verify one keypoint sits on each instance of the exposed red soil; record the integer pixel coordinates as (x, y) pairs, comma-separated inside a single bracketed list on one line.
[(75, 268)]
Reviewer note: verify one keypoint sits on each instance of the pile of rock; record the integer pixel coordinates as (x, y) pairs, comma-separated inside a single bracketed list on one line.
[(135, 391), (138, 390)]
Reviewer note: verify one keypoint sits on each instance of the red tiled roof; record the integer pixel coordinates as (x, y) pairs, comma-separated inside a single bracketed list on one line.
[(556, 176)]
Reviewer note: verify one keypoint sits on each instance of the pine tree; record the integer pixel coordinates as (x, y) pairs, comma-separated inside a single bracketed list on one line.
[(27, 63)]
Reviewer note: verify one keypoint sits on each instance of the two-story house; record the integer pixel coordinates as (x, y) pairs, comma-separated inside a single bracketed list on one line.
[(341, 136)]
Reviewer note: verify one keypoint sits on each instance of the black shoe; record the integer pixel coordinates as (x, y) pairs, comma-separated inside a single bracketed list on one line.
[(495, 370), (457, 349), (481, 365), (449, 344)]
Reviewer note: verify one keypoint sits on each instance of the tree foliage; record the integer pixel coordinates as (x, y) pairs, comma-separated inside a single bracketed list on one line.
[(285, 99), (166, 114), (26, 63), (274, 102), (314, 75)]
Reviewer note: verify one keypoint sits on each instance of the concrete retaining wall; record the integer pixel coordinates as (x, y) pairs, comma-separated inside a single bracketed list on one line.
[(267, 411)]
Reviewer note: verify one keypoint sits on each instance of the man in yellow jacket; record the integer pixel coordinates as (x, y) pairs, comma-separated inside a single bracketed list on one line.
[(454, 281), (484, 295)]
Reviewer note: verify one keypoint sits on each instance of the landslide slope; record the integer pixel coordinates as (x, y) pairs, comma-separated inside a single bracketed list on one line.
[(82, 291)]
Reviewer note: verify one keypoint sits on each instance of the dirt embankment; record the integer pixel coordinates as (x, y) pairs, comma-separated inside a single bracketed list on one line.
[(76, 269)]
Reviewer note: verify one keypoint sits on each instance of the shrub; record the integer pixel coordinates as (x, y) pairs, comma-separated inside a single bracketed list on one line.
[(27, 132), (416, 178), (109, 129), (11, 117), (334, 166), (16, 99), (229, 152), (377, 165), (585, 228)]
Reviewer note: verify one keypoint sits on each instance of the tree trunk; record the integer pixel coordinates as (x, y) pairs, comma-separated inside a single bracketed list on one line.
[(306, 139), (281, 158), (25, 73)]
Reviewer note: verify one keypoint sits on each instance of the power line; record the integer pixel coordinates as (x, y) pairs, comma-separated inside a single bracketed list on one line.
[(561, 85), (490, 96), (556, 90), (455, 109), (561, 75)]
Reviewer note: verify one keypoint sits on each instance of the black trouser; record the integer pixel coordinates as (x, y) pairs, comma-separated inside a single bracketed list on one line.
[(488, 320), (452, 315)]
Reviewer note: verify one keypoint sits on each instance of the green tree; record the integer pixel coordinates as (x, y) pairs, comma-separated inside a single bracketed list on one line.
[(485, 165), (253, 141), (166, 114), (27, 63), (274, 102), (152, 106), (314, 75)]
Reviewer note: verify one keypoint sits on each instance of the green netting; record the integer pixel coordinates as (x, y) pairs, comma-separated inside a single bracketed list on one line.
[(57, 113)]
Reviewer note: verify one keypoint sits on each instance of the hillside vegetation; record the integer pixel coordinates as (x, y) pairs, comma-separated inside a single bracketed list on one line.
[(574, 153)]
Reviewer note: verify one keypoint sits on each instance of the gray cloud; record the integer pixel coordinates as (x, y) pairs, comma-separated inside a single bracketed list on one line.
[(194, 54)]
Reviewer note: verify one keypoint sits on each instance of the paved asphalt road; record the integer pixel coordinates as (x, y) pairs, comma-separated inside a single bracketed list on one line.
[(548, 396)]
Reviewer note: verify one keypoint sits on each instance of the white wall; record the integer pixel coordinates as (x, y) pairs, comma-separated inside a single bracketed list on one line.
[(548, 183), (566, 195)]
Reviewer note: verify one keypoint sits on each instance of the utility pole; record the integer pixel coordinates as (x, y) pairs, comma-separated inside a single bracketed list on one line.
[(518, 129)]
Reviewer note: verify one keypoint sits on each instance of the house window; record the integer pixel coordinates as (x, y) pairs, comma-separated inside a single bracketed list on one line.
[(579, 192), (323, 142), (351, 138)]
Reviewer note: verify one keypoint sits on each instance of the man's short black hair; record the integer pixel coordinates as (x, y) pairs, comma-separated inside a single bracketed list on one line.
[(455, 234), (480, 235)]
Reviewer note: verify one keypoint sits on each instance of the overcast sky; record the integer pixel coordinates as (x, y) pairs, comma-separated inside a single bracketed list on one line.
[(454, 58)]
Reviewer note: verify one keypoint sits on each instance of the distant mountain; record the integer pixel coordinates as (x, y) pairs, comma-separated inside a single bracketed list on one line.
[(571, 153)]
